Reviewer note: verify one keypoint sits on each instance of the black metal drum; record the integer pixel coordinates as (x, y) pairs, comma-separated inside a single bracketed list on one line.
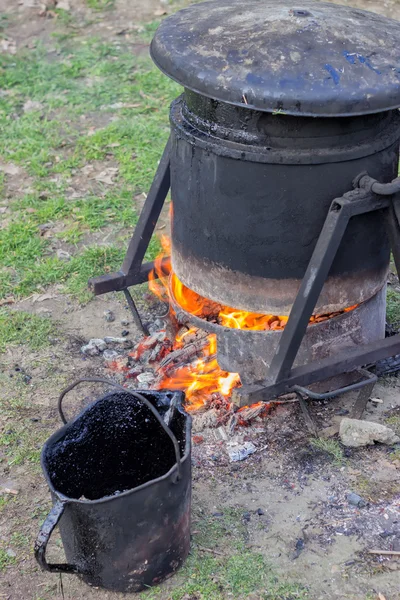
[(284, 105)]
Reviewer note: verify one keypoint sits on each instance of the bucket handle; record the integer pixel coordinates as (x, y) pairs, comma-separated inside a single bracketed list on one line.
[(42, 540), (138, 397)]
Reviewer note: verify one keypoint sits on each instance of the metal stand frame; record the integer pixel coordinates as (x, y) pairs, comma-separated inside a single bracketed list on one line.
[(133, 270), (368, 196)]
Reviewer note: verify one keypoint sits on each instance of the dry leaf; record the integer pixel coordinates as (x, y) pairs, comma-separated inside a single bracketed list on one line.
[(3, 210), (42, 297), (87, 169), (159, 12), (5, 301), (8, 46), (381, 596), (107, 175)]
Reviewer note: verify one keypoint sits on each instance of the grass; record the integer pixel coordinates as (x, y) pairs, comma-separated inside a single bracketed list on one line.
[(233, 571), (330, 447), (100, 4), (393, 306), (19, 327), (394, 422), (99, 105), (21, 438), (5, 559)]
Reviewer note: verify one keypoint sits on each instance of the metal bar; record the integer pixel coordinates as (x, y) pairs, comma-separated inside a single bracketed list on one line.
[(369, 378), (318, 371), (393, 228), (131, 271), (361, 402), (135, 313), (149, 215), (310, 289), (311, 426), (115, 282), (341, 210)]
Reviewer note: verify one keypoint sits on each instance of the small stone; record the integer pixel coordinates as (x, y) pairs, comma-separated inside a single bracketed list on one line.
[(239, 452), (110, 355), (198, 439), (386, 534), (94, 347), (109, 316), (350, 562), (300, 545), (376, 401), (356, 500), (125, 333), (124, 322), (246, 516), (218, 514), (146, 377), (356, 433), (11, 553), (63, 255), (205, 420), (260, 512), (124, 342)]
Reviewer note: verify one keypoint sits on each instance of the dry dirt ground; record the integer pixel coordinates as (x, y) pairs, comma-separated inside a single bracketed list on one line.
[(289, 500)]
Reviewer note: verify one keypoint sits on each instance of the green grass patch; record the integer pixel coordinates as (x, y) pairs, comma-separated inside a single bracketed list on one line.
[(86, 78), (4, 500), (234, 571), (394, 422), (100, 4), (21, 439), (393, 306), (18, 327), (5, 559), (330, 447)]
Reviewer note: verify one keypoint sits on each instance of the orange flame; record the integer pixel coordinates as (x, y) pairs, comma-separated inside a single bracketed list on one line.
[(162, 268), (203, 377), (195, 304)]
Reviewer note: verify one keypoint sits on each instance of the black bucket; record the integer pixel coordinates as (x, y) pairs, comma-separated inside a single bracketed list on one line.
[(120, 480)]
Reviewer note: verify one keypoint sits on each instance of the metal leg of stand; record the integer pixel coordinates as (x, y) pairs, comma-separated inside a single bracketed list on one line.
[(362, 399), (133, 271), (311, 426), (135, 313), (342, 209)]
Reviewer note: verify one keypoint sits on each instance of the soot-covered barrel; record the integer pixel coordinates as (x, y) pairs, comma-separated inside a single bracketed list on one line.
[(283, 106), (251, 191)]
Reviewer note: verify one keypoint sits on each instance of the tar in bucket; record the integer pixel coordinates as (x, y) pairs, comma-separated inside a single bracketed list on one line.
[(120, 480)]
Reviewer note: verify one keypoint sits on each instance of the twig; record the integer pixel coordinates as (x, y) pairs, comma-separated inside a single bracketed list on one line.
[(210, 550), (385, 552)]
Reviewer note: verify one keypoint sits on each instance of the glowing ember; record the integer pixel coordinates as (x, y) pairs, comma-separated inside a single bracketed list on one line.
[(202, 378), (195, 304)]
